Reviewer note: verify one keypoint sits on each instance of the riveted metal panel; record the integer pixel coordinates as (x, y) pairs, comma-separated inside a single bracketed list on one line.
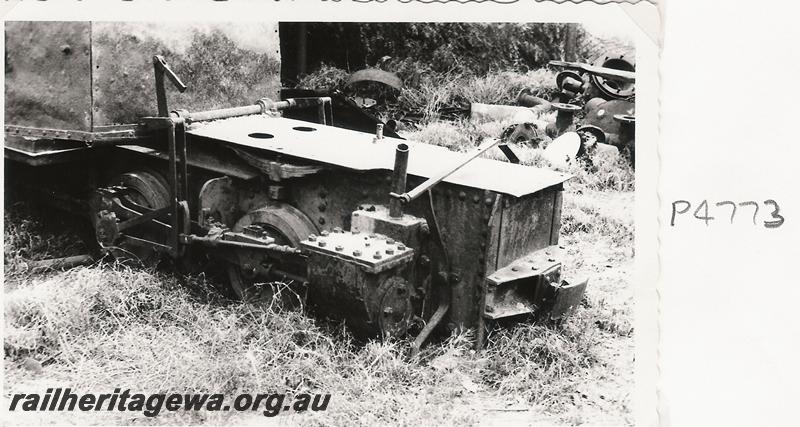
[(527, 224), (223, 65), (48, 75)]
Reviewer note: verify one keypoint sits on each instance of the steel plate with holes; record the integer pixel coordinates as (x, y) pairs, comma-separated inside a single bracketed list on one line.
[(374, 252), (356, 150)]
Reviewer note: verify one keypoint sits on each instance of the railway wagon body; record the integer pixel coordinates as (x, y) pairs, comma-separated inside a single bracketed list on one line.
[(391, 236)]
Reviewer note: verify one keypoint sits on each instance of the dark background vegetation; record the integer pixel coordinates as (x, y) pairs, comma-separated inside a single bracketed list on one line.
[(475, 48)]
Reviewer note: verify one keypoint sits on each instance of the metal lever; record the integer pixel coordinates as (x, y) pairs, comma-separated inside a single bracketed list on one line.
[(161, 68), (430, 182)]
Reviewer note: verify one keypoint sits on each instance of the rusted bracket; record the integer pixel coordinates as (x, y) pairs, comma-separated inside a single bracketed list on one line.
[(103, 135), (323, 104), (437, 316)]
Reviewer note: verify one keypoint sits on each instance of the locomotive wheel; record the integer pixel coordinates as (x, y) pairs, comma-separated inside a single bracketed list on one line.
[(284, 223), (150, 189), (145, 188)]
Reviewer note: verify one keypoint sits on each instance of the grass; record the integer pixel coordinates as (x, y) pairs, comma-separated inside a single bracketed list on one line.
[(105, 326), (604, 172), (139, 329), (426, 92)]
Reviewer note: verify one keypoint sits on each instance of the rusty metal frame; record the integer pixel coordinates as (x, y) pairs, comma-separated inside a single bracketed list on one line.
[(104, 135)]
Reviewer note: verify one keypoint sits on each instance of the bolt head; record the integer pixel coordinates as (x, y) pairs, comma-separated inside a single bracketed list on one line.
[(462, 195), (322, 243), (339, 248), (377, 255), (514, 268), (356, 253), (312, 238), (389, 241), (325, 232), (389, 251), (551, 259), (401, 247)]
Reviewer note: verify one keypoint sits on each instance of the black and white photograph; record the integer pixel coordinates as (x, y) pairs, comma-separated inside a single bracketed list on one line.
[(328, 223)]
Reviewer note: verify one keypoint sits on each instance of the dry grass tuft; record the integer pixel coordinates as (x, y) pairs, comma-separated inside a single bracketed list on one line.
[(325, 78), (148, 332)]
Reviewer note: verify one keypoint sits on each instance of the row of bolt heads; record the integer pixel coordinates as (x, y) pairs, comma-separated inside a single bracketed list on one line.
[(549, 259), (377, 255)]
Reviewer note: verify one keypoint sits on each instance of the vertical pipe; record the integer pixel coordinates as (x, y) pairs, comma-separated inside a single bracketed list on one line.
[(321, 103), (398, 180), (564, 120), (173, 188)]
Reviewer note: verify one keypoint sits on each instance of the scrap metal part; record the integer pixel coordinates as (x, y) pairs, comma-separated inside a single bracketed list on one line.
[(376, 75), (612, 86), (533, 284)]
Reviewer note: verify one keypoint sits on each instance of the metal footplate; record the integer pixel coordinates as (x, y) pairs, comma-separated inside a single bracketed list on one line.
[(532, 284)]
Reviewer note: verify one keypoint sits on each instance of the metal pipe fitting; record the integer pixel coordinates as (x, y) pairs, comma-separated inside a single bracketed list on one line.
[(535, 103), (627, 128), (570, 81), (399, 175), (564, 120), (570, 84), (627, 134), (613, 87), (378, 132)]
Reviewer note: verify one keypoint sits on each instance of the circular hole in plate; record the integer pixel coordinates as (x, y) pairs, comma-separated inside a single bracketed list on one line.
[(304, 128), (261, 135)]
